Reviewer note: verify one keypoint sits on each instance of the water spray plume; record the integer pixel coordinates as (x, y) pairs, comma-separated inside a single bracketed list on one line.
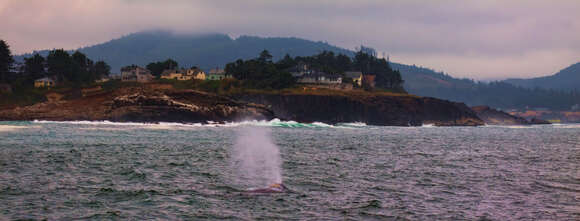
[(256, 158)]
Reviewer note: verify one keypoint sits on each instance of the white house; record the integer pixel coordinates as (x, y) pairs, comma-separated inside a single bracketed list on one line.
[(136, 73), (320, 78)]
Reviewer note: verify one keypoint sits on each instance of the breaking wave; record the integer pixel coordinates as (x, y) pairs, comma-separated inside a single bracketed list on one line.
[(575, 125), (168, 125), (10, 128)]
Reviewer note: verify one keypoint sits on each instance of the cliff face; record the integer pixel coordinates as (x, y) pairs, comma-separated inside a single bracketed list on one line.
[(370, 109), (143, 105), (146, 104)]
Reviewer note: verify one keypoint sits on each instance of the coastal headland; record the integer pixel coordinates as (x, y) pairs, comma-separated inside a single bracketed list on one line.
[(163, 103)]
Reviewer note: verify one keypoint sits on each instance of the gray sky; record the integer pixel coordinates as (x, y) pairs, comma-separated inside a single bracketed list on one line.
[(480, 39)]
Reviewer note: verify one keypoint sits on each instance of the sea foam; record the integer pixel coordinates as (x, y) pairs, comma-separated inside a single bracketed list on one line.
[(169, 125)]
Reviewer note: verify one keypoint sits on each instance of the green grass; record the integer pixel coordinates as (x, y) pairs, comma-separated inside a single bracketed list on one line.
[(23, 96)]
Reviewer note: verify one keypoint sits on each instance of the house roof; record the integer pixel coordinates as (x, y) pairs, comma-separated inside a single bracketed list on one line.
[(353, 74), (44, 79), (169, 71), (217, 71), (132, 68), (318, 75)]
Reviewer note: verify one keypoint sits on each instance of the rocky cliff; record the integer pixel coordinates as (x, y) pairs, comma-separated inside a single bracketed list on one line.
[(370, 109), (155, 104), (142, 105)]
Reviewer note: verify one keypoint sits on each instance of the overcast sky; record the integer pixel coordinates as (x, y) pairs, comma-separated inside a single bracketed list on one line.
[(481, 39)]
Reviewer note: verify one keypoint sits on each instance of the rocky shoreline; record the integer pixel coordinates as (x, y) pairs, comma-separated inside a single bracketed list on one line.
[(142, 104), (496, 117), (372, 110)]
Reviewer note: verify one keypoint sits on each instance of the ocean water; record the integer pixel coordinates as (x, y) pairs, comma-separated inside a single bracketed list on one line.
[(132, 171)]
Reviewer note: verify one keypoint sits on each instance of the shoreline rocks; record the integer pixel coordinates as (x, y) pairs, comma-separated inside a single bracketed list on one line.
[(142, 104), (372, 109), (496, 117)]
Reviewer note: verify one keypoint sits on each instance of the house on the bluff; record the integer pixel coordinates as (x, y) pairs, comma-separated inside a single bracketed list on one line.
[(217, 74), (136, 74), (174, 74), (198, 74), (356, 76), (183, 74), (320, 78), (299, 70), (369, 80), (44, 82)]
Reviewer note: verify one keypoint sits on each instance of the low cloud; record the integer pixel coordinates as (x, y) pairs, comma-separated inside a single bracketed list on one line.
[(475, 39)]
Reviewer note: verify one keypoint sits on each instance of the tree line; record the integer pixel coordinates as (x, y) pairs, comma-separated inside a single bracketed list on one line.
[(75, 68), (505, 96), (262, 72)]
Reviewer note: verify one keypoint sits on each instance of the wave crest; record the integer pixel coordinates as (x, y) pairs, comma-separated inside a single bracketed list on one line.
[(169, 125)]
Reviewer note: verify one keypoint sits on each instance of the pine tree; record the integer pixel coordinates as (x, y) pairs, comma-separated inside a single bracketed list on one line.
[(6, 61), (101, 69), (34, 67), (60, 64)]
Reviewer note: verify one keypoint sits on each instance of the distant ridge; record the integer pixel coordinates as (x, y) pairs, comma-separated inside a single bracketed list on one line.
[(204, 50), (566, 79)]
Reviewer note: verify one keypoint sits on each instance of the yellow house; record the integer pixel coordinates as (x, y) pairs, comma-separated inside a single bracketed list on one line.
[(183, 74), (172, 74), (44, 82), (198, 74), (357, 77)]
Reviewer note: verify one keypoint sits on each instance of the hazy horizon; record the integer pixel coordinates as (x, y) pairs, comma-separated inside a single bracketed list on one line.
[(480, 40)]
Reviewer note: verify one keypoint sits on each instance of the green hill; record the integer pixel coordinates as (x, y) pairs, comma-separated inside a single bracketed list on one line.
[(426, 82), (566, 79)]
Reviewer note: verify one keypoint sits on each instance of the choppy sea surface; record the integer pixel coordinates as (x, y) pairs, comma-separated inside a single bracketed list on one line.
[(132, 171)]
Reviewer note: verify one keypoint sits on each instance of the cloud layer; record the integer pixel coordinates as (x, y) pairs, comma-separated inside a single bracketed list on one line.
[(476, 39)]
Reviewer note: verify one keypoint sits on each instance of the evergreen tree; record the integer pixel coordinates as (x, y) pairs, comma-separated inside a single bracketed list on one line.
[(81, 68), (157, 68), (343, 63), (6, 61), (60, 65), (170, 64), (35, 67), (265, 56), (101, 69), (82, 60), (385, 77), (285, 63), (260, 73)]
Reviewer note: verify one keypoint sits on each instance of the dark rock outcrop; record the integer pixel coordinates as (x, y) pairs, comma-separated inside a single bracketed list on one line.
[(539, 121), (496, 117), (370, 109)]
